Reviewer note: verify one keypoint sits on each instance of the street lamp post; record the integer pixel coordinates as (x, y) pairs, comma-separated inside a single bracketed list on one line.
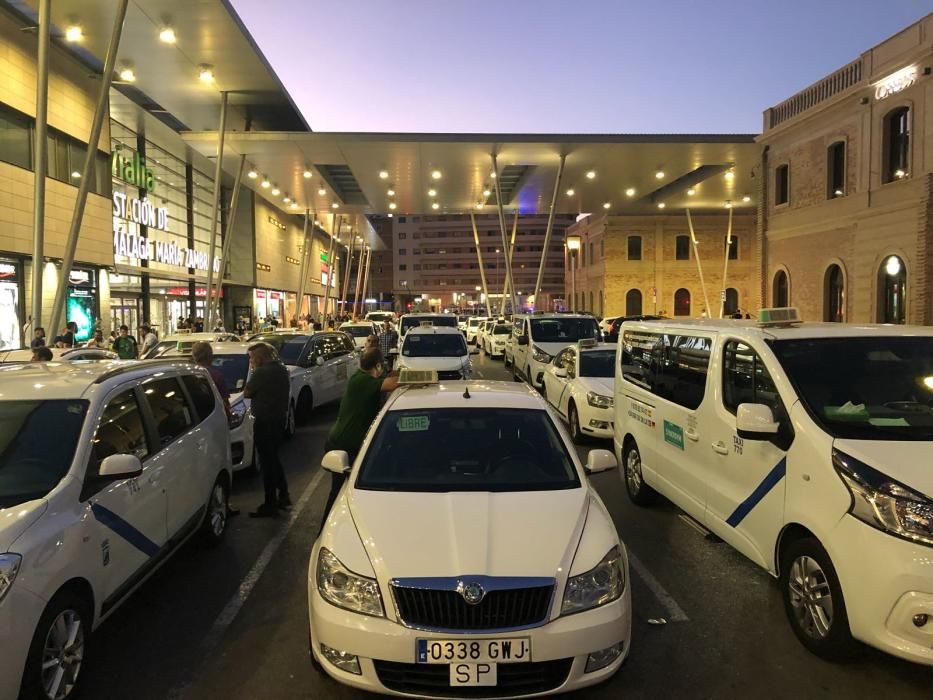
[(573, 245)]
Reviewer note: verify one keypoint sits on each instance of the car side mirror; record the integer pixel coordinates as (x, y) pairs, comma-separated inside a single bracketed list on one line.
[(122, 466), (560, 372), (600, 461), (755, 421), (336, 461), (523, 340), (319, 361)]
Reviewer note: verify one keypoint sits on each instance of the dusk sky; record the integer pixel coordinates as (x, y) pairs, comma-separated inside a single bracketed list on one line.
[(567, 66)]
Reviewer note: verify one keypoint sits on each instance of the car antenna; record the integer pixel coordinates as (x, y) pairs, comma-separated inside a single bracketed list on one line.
[(466, 392)]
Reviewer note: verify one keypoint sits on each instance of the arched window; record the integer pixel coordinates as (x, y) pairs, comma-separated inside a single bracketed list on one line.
[(732, 301), (836, 170), (682, 302), (591, 308), (780, 292), (633, 302), (892, 291), (896, 144), (601, 310), (834, 295)]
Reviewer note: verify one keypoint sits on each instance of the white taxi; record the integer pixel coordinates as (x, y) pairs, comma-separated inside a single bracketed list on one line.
[(472, 327), (318, 365), (537, 338), (185, 341), (467, 554), (437, 348), (59, 354), (140, 462), (494, 339), (579, 385), (359, 331)]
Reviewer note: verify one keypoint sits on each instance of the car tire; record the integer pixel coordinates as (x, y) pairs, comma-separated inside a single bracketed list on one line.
[(638, 491), (71, 608), (813, 600), (573, 418), (304, 407), (290, 421), (214, 525)]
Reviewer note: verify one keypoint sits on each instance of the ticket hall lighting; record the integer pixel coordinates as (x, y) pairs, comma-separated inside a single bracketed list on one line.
[(74, 34), (167, 35)]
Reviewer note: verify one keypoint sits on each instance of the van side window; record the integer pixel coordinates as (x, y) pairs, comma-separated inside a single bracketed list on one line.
[(673, 367), (201, 393), (745, 379), (170, 410), (120, 432)]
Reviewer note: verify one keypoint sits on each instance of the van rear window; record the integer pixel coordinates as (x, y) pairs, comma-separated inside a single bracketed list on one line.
[(668, 365)]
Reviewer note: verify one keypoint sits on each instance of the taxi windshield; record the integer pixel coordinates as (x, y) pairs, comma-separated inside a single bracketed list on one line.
[(878, 388), (501, 330), (288, 346), (358, 331), (598, 364), (235, 368), (563, 330), (434, 345), (415, 321), (464, 449), (31, 464)]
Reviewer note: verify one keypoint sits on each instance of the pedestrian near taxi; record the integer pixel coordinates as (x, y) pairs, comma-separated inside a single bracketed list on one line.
[(269, 388), (41, 354), (358, 409), (125, 344)]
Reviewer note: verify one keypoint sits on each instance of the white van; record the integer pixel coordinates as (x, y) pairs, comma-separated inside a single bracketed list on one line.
[(537, 338), (807, 447)]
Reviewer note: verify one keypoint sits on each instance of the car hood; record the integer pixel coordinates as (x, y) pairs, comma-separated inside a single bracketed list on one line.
[(14, 521), (907, 461), (601, 385), (441, 364), (552, 348), (456, 534)]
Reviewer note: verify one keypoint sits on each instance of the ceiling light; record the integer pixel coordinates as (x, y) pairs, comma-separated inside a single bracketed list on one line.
[(307, 174), (659, 174), (747, 199), (486, 193), (837, 193), (479, 205), (391, 193), (206, 73), (276, 191), (492, 175), (606, 205), (436, 174), (252, 174), (691, 192), (321, 191), (286, 199), (728, 205), (392, 205), (74, 33), (432, 192), (893, 266), (730, 175), (335, 206), (900, 174), (265, 182), (435, 206), (390, 215), (294, 205), (76, 174), (590, 174), (570, 192), (661, 205), (383, 174), (630, 192), (127, 75), (167, 35)]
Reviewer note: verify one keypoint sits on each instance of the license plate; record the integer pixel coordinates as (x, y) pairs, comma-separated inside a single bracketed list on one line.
[(473, 674), (474, 651)]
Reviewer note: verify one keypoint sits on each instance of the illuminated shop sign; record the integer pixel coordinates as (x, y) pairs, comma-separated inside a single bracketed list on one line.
[(140, 211), (129, 245), (132, 170), (896, 82)]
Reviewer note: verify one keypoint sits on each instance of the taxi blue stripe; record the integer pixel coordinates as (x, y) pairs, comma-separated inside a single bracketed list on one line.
[(114, 522), (770, 481)]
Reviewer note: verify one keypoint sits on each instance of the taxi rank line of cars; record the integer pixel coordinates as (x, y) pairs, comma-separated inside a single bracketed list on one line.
[(537, 338), (139, 464), (422, 581), (579, 385), (439, 348)]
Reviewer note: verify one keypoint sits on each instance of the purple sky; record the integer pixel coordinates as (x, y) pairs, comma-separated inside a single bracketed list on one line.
[(597, 66)]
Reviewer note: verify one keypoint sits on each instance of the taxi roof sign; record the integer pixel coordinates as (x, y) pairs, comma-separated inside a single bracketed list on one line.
[(407, 376), (781, 316), (426, 324), (586, 343)]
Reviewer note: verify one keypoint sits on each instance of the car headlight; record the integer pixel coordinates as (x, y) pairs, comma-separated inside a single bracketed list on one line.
[(9, 567), (538, 355), (598, 400), (341, 587), (600, 585), (885, 503), (237, 414)]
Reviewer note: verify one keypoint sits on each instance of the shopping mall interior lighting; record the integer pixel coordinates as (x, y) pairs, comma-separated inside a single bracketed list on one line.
[(479, 205), (486, 192), (493, 174), (167, 35), (661, 205), (691, 192), (893, 266), (606, 205), (391, 193), (74, 34), (728, 205), (286, 198), (321, 191), (746, 199), (335, 206), (206, 73), (392, 205), (276, 191), (265, 182), (75, 174), (435, 206), (730, 175), (432, 192)]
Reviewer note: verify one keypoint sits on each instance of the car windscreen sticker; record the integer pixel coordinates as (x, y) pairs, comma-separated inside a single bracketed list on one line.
[(413, 424), (674, 435)]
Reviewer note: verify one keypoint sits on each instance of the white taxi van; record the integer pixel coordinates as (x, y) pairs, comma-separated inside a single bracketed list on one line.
[(579, 385), (441, 349), (140, 462), (537, 338), (467, 555), (807, 447)]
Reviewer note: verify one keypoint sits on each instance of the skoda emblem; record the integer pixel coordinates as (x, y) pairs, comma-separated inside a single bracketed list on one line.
[(472, 592)]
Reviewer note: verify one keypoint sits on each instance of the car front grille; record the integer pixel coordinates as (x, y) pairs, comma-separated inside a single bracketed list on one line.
[(452, 374), (447, 610), (512, 679)]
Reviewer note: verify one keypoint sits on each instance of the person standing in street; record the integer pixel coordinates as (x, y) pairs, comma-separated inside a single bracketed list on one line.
[(97, 341), (388, 340), (125, 345), (39, 340), (358, 409), (149, 339), (269, 388)]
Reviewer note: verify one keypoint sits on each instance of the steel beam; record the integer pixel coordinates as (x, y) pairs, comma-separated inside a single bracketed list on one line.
[(305, 264), (479, 257), (87, 173), (696, 254), (331, 256), (369, 259), (509, 283), (359, 278), (228, 238), (547, 232), (40, 166), (346, 277), (725, 267), (215, 206), (505, 247)]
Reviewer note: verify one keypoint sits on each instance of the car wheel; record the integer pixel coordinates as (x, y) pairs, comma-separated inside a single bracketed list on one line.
[(59, 648), (574, 419), (813, 600), (304, 408), (638, 491), (215, 519), (290, 421)]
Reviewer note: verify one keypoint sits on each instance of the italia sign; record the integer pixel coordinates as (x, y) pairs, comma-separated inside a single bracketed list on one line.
[(132, 171)]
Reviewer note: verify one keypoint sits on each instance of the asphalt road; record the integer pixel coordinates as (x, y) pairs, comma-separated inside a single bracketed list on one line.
[(232, 622)]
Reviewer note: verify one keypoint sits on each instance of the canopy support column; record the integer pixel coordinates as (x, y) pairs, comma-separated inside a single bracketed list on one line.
[(228, 238), (696, 255), (479, 258), (40, 163), (331, 266), (346, 277), (725, 266), (215, 206), (365, 290), (305, 264), (359, 278), (505, 247), (548, 230), (508, 280)]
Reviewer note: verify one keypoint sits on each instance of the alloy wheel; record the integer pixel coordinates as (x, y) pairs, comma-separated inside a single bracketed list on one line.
[(218, 510), (63, 654), (633, 470), (811, 597)]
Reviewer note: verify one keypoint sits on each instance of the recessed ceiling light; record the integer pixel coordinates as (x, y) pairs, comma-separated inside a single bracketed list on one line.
[(321, 191), (432, 192), (435, 206), (76, 174), (276, 191), (728, 205), (383, 174), (747, 199), (391, 193), (167, 35), (492, 175), (436, 174), (661, 205), (590, 174), (294, 205), (74, 33), (691, 192), (479, 205), (659, 174), (206, 73), (630, 192), (252, 174), (127, 75), (486, 193), (335, 206), (606, 205), (307, 174), (730, 175), (265, 182), (570, 192), (286, 199), (392, 205)]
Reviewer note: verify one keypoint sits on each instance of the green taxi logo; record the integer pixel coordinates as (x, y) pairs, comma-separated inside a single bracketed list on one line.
[(674, 435)]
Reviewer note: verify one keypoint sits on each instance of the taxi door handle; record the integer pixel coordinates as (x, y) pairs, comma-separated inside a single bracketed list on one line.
[(720, 448), (692, 434)]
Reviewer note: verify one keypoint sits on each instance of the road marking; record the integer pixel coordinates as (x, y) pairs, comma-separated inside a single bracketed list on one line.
[(674, 612), (239, 598)]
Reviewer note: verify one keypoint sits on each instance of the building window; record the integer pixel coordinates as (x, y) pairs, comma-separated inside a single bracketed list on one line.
[(402, 236), (600, 310), (836, 170), (734, 247), (682, 302), (834, 295), (633, 302), (634, 247), (590, 308), (896, 144), (682, 248), (592, 257), (731, 304), (780, 292), (15, 130), (402, 268), (892, 291), (403, 251), (782, 184)]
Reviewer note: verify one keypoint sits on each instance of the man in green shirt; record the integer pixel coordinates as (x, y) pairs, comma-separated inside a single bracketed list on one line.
[(358, 409), (125, 345)]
